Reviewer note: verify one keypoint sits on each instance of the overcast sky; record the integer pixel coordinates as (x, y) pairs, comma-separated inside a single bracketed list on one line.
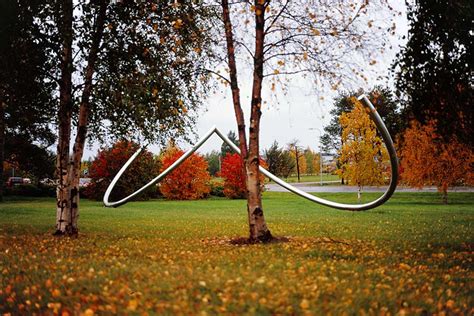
[(299, 115)]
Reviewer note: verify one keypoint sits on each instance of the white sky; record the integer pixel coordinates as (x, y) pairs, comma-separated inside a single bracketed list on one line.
[(294, 114)]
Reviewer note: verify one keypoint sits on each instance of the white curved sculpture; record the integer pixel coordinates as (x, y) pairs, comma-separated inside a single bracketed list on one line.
[(351, 207)]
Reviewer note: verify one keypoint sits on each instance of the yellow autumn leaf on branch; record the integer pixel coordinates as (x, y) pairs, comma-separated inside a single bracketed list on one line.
[(315, 32)]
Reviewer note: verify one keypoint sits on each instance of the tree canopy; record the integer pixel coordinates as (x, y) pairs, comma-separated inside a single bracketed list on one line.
[(279, 161), (428, 160), (149, 70), (434, 70), (383, 100), (26, 99), (128, 70)]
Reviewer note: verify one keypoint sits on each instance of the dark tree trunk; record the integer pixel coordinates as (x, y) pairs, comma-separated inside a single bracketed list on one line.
[(444, 193), (258, 227), (297, 163), (342, 144), (63, 216)]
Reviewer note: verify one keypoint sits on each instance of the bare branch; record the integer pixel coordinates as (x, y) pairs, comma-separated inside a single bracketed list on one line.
[(244, 46), (217, 74), (287, 72), (276, 16)]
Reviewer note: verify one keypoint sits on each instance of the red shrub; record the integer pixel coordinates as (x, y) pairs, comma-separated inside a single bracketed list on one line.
[(109, 161), (231, 171), (190, 181)]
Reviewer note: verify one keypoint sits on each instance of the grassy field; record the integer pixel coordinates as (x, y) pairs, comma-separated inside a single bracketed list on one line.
[(310, 178), (410, 256)]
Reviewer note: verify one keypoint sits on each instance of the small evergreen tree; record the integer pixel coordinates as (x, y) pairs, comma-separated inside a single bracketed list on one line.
[(225, 148), (279, 161), (213, 162)]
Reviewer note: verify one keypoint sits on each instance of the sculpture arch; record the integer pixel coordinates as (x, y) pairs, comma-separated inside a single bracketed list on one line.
[(342, 206)]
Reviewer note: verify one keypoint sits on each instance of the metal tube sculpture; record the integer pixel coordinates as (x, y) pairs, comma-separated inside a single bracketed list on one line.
[(342, 206)]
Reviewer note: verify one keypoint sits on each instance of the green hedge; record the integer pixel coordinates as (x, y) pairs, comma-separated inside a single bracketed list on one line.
[(31, 190)]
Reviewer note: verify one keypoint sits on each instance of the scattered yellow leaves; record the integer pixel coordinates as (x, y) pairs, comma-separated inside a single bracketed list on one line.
[(450, 304), (177, 24), (304, 304), (197, 49), (132, 305), (88, 312), (404, 266), (129, 271)]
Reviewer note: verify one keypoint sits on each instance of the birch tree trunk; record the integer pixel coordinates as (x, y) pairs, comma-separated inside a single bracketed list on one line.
[(258, 230), (69, 168), (63, 215), (258, 227), (74, 171), (234, 85)]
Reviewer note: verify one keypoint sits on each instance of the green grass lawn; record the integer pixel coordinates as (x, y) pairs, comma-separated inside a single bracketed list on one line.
[(410, 256), (310, 178)]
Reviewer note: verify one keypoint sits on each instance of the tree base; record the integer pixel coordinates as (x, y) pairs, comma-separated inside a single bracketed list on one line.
[(69, 232), (240, 241), (264, 238)]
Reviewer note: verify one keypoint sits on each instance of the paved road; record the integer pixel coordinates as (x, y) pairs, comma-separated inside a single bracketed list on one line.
[(315, 187)]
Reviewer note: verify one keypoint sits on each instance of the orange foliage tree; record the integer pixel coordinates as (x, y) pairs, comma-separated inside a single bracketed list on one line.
[(231, 171), (362, 156), (190, 181), (428, 160)]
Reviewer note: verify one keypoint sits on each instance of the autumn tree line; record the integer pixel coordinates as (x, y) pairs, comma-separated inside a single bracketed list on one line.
[(73, 72)]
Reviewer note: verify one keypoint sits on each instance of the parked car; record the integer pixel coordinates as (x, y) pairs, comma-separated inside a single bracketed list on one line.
[(26, 180), (84, 182), (49, 182), (13, 181)]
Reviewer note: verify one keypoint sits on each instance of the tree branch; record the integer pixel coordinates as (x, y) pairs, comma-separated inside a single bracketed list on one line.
[(217, 74), (276, 17)]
